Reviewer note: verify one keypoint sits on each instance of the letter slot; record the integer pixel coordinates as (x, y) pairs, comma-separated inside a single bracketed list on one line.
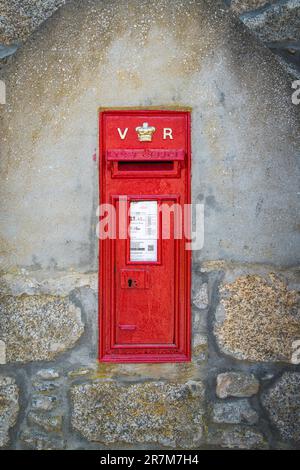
[(144, 274)]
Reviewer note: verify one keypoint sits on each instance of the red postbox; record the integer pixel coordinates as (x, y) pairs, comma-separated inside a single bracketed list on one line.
[(144, 276)]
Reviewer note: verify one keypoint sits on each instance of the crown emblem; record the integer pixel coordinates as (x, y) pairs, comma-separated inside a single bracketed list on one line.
[(145, 132)]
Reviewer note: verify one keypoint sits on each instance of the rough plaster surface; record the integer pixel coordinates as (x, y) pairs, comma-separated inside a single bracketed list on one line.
[(260, 319), (244, 167), (165, 414)]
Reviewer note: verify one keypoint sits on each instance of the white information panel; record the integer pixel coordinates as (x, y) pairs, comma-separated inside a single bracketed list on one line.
[(143, 230)]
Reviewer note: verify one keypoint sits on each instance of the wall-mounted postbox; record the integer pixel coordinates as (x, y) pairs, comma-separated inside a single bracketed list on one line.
[(144, 278)]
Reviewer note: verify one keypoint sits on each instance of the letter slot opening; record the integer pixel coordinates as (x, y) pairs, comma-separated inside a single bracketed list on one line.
[(149, 169), (146, 166)]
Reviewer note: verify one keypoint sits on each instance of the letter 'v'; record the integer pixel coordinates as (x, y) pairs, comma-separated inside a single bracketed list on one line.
[(122, 134)]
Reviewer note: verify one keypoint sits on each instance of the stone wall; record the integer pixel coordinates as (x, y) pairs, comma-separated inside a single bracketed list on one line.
[(241, 388)]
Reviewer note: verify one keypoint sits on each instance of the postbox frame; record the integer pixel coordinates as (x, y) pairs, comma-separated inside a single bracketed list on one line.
[(105, 318)]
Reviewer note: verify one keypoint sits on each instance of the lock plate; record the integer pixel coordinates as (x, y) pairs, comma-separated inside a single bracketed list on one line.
[(134, 279)]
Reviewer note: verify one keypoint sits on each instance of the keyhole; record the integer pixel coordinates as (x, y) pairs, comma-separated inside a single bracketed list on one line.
[(129, 282)]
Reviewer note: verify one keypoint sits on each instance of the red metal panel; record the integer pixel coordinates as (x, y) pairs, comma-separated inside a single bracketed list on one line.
[(145, 154), (144, 304)]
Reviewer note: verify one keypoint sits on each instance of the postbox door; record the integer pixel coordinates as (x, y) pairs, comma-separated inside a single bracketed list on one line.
[(145, 280)]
